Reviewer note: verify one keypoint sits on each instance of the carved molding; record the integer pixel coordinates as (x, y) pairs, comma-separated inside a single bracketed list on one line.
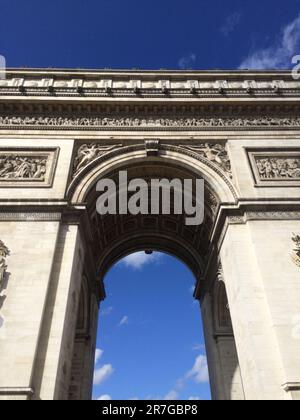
[(4, 253), (27, 167), (133, 84), (272, 167), (296, 250)]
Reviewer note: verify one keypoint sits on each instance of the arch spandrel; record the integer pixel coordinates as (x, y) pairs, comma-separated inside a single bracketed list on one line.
[(217, 179)]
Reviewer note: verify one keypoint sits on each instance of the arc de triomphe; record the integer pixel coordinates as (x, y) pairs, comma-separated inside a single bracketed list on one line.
[(62, 131)]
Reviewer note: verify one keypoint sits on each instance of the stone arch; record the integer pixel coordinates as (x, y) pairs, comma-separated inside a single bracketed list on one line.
[(115, 236)]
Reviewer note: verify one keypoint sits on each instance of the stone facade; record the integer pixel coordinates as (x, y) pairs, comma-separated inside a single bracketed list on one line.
[(61, 131)]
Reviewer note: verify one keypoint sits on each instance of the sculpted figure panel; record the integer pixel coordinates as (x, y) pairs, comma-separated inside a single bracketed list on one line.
[(215, 153), (4, 252), (272, 167), (22, 168), (87, 153), (278, 168), (296, 251), (27, 167), (129, 121)]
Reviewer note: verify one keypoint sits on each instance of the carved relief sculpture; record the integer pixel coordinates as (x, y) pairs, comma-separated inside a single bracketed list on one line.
[(215, 153), (296, 251), (87, 153), (278, 168), (28, 167), (273, 167), (88, 122), (4, 252), (22, 168)]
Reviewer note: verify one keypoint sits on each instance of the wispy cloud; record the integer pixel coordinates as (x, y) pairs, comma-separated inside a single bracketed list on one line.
[(138, 260), (106, 311), (172, 396), (198, 347), (199, 372), (187, 61), (124, 321), (104, 397), (231, 23), (279, 54), (102, 374), (98, 355)]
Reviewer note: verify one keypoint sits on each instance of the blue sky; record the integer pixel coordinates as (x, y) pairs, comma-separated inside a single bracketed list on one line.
[(148, 34), (150, 342)]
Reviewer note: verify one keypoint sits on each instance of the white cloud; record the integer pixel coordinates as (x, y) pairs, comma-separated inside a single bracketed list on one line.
[(104, 397), (187, 62), (198, 347), (194, 398), (171, 396), (138, 260), (231, 23), (106, 311), (98, 355), (199, 372), (279, 54), (102, 374), (124, 321)]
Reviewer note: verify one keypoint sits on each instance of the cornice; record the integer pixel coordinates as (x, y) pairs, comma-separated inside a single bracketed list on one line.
[(106, 85)]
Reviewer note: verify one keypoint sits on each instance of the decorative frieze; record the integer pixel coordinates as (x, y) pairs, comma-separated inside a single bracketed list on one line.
[(296, 250), (147, 122), (4, 252), (275, 167), (27, 167)]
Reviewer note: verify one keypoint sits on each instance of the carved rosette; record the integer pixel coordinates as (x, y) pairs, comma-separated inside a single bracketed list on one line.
[(4, 252), (296, 251)]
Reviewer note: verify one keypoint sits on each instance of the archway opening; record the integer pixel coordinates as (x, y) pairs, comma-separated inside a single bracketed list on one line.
[(112, 237), (150, 342)]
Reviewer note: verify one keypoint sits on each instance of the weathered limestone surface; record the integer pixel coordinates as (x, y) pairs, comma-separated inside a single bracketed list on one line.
[(23, 297)]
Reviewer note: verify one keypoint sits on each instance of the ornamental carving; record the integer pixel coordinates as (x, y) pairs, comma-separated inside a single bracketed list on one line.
[(278, 168), (87, 153), (215, 153), (296, 250), (147, 122), (4, 252), (27, 167), (22, 168), (272, 167)]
